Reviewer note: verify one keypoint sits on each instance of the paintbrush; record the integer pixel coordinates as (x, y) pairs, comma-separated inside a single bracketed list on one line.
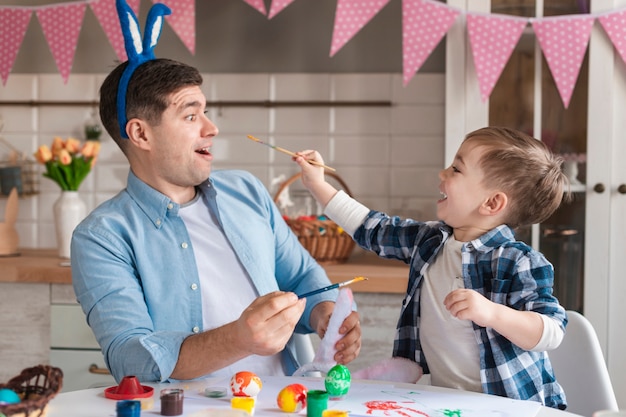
[(285, 151), (332, 287)]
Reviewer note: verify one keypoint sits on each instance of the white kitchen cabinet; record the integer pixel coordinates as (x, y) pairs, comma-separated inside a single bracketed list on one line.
[(601, 199)]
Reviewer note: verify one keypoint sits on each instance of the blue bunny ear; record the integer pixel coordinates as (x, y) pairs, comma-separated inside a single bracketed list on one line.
[(138, 52), (154, 24), (130, 28)]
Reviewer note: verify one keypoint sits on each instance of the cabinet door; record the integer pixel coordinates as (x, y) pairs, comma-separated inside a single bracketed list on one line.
[(605, 285)]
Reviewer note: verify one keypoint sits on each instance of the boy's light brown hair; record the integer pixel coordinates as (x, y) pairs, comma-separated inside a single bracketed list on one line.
[(525, 170)]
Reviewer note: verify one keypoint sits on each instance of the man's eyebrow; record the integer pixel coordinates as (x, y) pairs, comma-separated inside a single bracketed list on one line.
[(189, 104)]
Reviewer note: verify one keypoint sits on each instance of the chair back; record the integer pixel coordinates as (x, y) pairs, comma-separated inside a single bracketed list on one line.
[(580, 368)]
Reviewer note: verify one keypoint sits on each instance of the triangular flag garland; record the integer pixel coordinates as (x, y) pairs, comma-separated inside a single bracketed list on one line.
[(563, 39), (106, 13), (183, 21), (614, 25), (277, 7), (13, 24), (350, 17), (61, 26), (493, 39), (259, 5), (424, 24)]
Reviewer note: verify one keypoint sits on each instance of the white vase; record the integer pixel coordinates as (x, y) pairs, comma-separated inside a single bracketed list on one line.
[(69, 210)]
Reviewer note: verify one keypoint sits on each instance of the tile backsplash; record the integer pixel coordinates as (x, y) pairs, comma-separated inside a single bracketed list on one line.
[(388, 155)]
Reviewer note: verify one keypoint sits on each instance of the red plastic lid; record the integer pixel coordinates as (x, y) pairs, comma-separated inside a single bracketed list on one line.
[(128, 389)]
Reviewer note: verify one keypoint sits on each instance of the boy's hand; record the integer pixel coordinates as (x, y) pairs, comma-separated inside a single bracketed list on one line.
[(465, 304), (313, 176)]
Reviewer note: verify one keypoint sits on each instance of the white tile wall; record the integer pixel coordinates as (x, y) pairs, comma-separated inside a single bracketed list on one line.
[(389, 156)]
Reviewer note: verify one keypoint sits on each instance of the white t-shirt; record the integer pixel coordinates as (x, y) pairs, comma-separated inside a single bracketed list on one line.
[(224, 295)]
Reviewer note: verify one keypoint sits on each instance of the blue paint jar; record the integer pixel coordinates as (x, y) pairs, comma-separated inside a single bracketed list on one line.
[(128, 408)]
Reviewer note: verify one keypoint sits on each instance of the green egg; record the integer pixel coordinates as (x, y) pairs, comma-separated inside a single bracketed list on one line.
[(337, 381)]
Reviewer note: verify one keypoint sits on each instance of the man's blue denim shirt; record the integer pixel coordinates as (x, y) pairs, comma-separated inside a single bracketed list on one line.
[(135, 276)]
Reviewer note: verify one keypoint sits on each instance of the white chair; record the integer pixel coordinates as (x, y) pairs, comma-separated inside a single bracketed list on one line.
[(580, 368), (305, 352)]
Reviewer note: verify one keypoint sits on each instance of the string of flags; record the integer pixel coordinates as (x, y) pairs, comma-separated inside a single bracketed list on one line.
[(493, 37)]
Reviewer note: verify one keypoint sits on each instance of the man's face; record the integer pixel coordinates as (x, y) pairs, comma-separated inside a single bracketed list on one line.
[(180, 148)]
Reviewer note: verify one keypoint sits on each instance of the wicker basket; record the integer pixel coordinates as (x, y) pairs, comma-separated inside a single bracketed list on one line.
[(324, 239), (36, 386)]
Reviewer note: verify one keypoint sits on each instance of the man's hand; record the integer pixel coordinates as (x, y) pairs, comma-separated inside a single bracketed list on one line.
[(264, 328), (348, 345)]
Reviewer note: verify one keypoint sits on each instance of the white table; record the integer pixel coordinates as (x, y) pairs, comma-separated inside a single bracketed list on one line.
[(409, 400)]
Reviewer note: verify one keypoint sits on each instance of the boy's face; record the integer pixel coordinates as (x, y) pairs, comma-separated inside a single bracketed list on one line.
[(463, 193)]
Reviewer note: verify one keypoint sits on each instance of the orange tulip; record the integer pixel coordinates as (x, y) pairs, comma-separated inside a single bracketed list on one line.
[(91, 148), (72, 145), (43, 154), (64, 157), (57, 145)]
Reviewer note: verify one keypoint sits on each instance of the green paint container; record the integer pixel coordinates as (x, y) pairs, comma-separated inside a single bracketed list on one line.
[(316, 403)]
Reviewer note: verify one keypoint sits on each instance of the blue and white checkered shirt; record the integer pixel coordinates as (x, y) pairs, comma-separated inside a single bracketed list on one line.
[(503, 270)]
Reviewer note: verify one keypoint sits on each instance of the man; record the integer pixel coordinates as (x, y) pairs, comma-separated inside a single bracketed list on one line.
[(188, 273)]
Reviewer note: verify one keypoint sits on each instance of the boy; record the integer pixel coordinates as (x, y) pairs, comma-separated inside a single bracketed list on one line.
[(479, 313)]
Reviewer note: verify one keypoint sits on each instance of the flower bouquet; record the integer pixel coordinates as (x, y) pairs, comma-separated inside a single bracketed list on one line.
[(68, 161)]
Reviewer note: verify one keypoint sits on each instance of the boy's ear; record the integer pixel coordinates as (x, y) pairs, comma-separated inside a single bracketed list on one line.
[(495, 204)]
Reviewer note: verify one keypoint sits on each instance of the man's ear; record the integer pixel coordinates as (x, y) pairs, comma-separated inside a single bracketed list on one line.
[(495, 204), (137, 131)]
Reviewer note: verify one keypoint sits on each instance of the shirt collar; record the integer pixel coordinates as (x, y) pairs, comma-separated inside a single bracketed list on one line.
[(492, 239)]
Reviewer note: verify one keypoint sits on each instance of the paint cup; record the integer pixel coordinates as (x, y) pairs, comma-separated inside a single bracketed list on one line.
[(316, 403), (172, 401), (128, 408)]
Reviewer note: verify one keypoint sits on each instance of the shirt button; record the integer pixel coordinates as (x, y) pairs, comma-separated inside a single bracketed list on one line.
[(194, 286), (184, 245), (158, 222), (169, 206), (195, 329)]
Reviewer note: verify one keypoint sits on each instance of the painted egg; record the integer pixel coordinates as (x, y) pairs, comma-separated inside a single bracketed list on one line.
[(292, 398), (245, 384), (337, 381), (8, 396)]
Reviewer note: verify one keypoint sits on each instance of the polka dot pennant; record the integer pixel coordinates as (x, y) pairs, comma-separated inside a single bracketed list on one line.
[(183, 21), (257, 4), (614, 25), (424, 24), (492, 39), (278, 6), (61, 26), (106, 13), (563, 41), (350, 17), (13, 25)]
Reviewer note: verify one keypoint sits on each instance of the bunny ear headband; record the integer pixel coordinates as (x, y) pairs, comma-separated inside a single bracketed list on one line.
[(137, 52)]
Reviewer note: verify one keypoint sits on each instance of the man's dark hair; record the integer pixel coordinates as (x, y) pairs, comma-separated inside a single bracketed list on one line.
[(147, 94)]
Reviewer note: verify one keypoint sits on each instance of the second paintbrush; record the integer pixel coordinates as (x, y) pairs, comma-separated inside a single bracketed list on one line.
[(285, 151), (332, 287)]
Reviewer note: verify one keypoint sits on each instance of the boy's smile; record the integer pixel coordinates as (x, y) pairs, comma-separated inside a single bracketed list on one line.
[(463, 195)]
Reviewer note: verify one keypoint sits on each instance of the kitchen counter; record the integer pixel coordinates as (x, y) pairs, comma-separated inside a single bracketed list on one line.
[(44, 266)]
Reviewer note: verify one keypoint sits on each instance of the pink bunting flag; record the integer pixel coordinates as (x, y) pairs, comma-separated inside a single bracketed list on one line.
[(106, 13), (257, 4), (614, 25), (564, 40), (350, 17), (278, 6), (61, 26), (424, 24), (183, 21), (492, 38), (13, 24)]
